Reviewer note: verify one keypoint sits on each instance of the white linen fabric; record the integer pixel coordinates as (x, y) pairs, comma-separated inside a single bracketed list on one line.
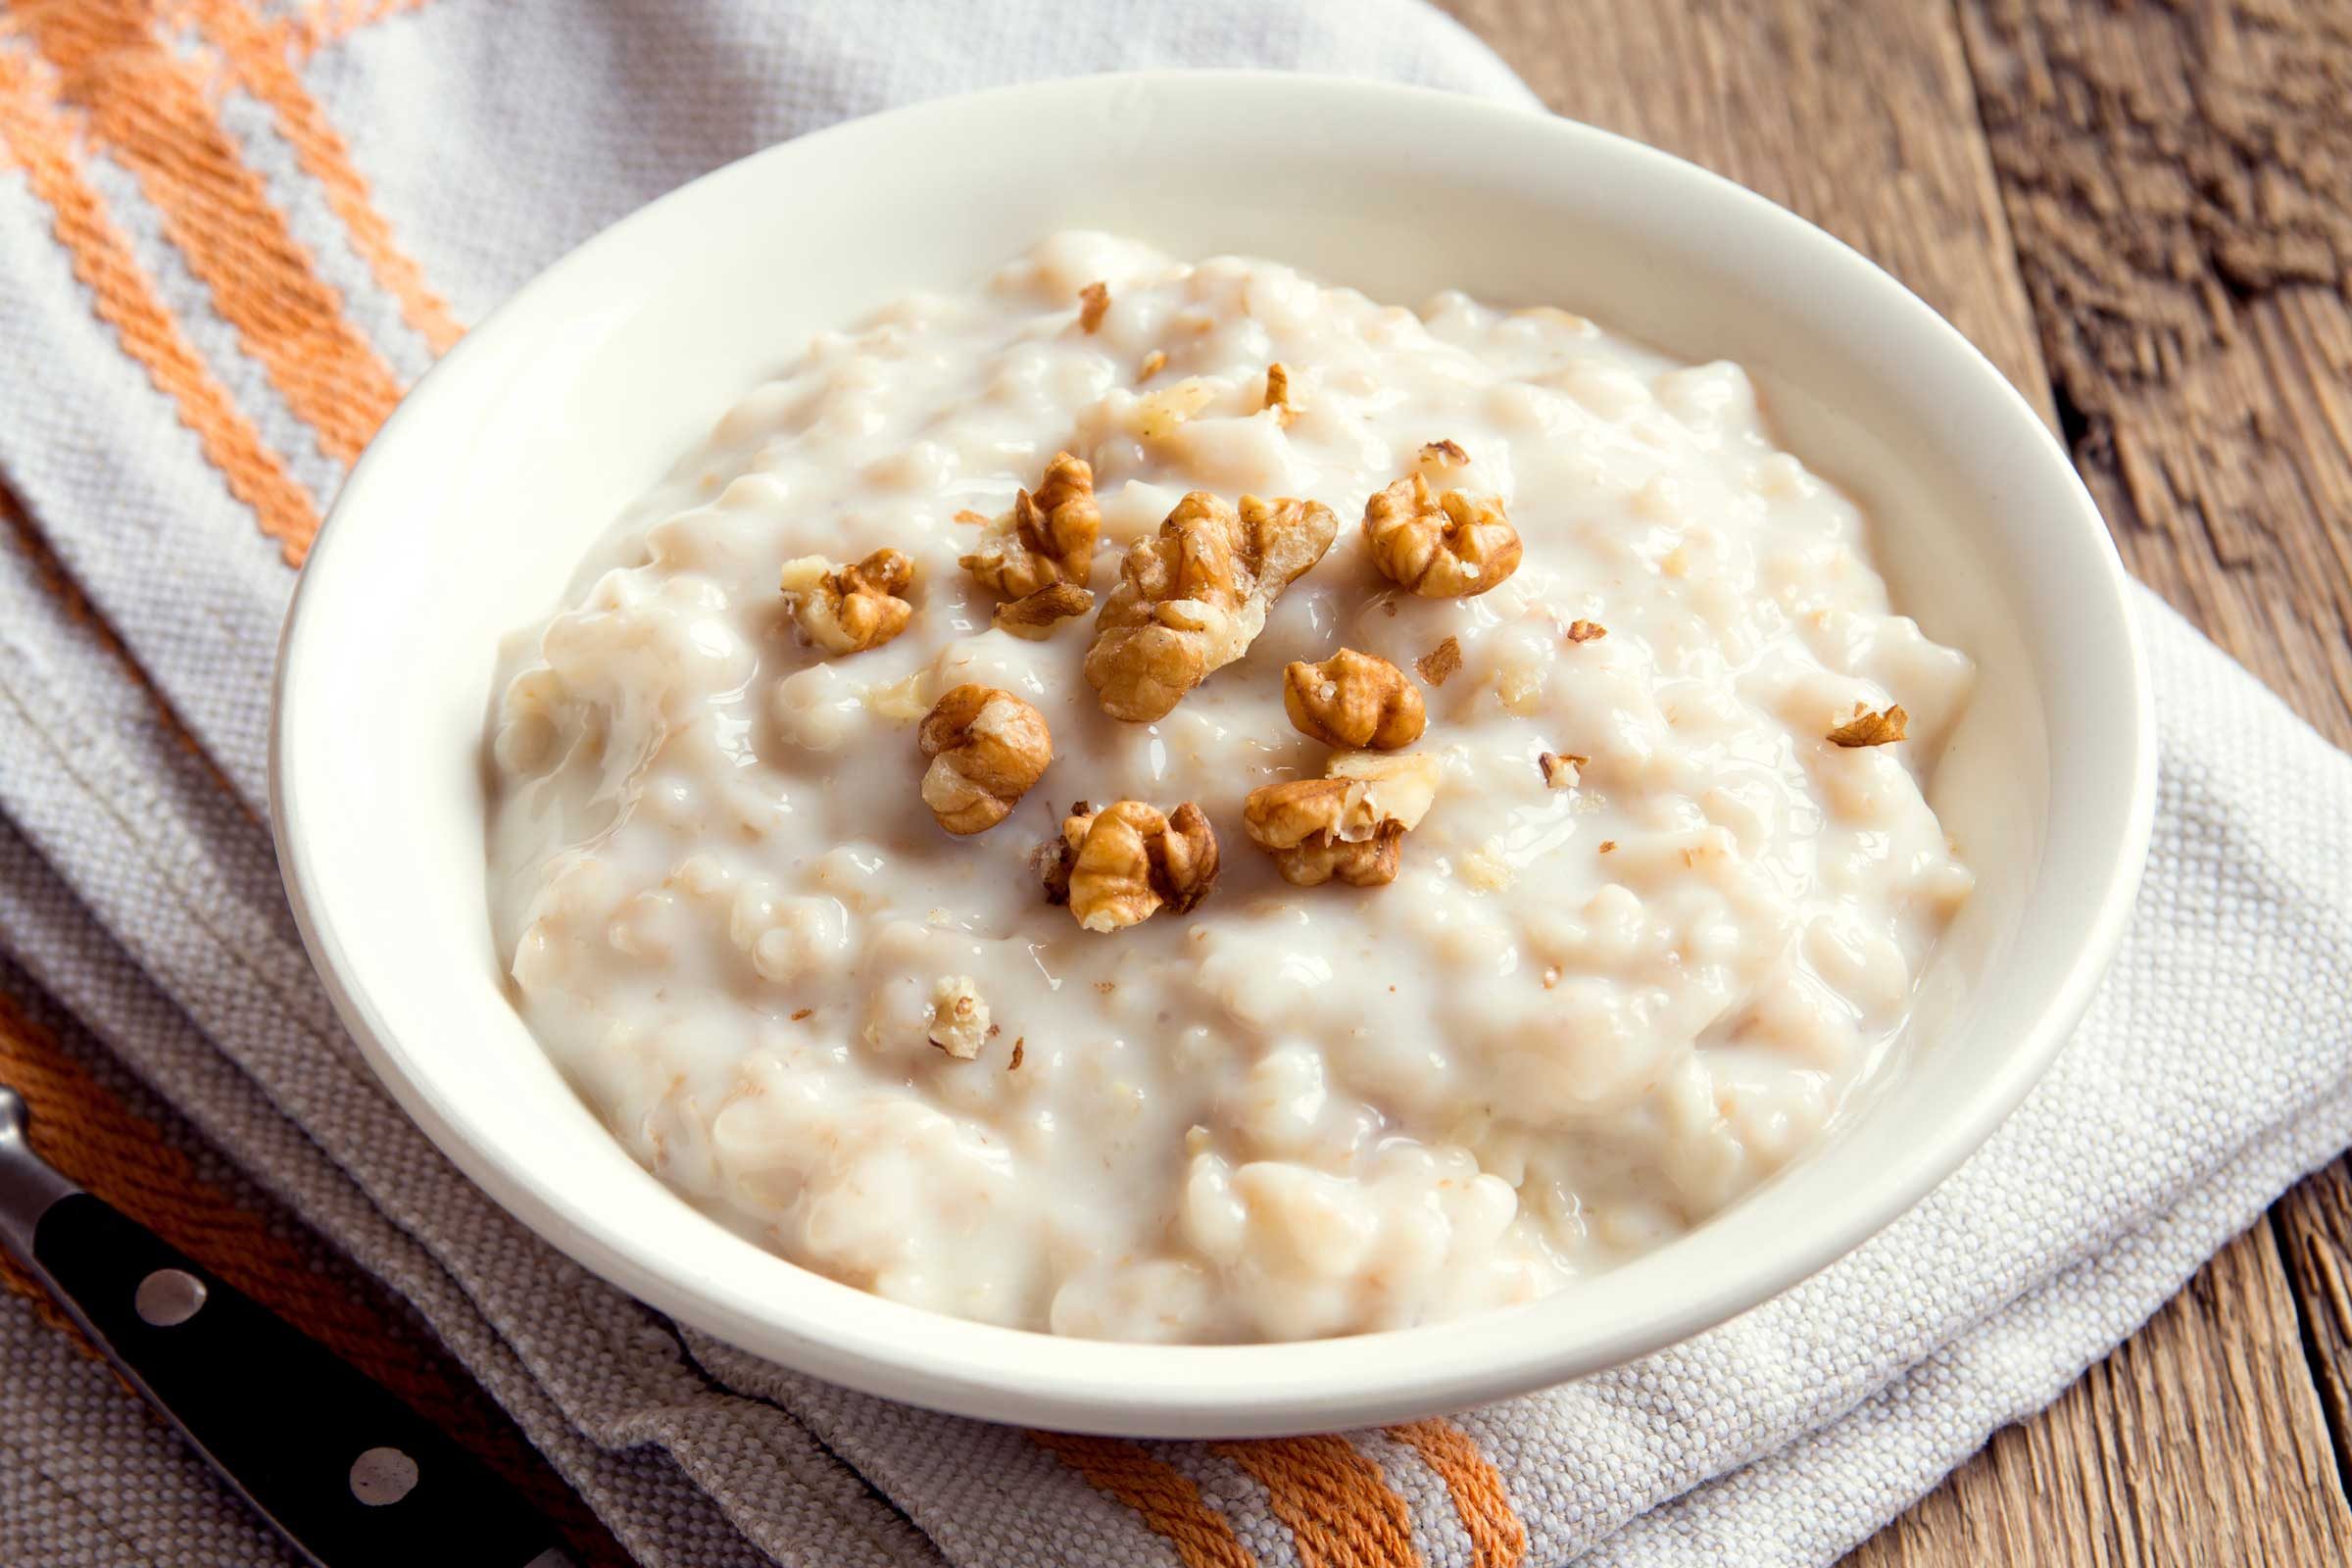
[(137, 890)]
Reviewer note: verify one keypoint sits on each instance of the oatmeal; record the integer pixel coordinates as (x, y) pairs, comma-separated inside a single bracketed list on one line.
[(1171, 802)]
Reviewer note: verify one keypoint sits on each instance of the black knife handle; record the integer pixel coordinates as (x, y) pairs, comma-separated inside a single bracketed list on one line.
[(350, 1474)]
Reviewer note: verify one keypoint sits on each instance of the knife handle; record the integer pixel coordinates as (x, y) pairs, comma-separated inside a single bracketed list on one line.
[(350, 1474)]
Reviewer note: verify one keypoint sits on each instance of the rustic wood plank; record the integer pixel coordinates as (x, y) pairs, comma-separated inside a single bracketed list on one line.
[(2314, 1223), (1865, 120), (2180, 179), (2181, 1447)]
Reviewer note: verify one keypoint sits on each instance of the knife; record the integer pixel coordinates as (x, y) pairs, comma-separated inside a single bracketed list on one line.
[(345, 1471)]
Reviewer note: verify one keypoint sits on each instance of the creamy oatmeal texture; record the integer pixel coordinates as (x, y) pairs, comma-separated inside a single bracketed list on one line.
[(1649, 924)]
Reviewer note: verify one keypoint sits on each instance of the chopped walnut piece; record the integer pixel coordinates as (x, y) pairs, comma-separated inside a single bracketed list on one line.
[(1868, 728), (1046, 538), (1038, 616), (1019, 1043), (1128, 861), (1278, 392), (1347, 825), (970, 518), (1585, 631), (1092, 301), (1191, 598), (1445, 454), (958, 1016), (1561, 768), (1353, 701), (1607, 845), (1153, 362), (1451, 547), (1054, 860), (986, 747), (1440, 661), (846, 609)]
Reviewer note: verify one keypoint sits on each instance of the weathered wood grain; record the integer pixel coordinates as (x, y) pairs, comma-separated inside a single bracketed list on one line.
[(2199, 1440), (2202, 1439), (2314, 1223), (2180, 181)]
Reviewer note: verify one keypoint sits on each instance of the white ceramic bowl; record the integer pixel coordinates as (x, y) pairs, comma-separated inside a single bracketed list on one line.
[(469, 512)]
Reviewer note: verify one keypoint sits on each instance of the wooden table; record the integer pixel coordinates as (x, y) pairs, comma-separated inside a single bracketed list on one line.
[(2142, 213)]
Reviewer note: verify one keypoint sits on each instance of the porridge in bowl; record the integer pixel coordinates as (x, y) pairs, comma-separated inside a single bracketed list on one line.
[(1171, 802)]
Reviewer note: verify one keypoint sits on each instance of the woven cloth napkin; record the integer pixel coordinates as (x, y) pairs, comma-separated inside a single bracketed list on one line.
[(230, 235)]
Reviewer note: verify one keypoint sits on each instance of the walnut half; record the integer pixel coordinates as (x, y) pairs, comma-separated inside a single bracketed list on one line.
[(1046, 538), (1354, 701), (1449, 547), (986, 748), (1127, 862), (1191, 598), (846, 609), (1347, 825)]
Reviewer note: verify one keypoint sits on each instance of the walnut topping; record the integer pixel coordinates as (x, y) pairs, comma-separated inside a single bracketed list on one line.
[(1127, 863), (970, 518), (1353, 701), (1193, 597), (1038, 616), (1046, 538), (1278, 392), (846, 609), (1092, 301), (1561, 768), (1585, 631), (1867, 728), (1450, 547), (1347, 824), (1440, 661), (958, 1016), (986, 747), (1153, 362), (1019, 1043), (1445, 455)]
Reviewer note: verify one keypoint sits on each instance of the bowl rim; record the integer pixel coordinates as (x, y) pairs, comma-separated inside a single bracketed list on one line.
[(1250, 1390)]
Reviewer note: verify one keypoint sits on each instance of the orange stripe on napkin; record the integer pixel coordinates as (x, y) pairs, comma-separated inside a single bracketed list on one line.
[(1164, 1497), (1498, 1537), (125, 297), (148, 106), (80, 1126), (1340, 1510), (260, 50)]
